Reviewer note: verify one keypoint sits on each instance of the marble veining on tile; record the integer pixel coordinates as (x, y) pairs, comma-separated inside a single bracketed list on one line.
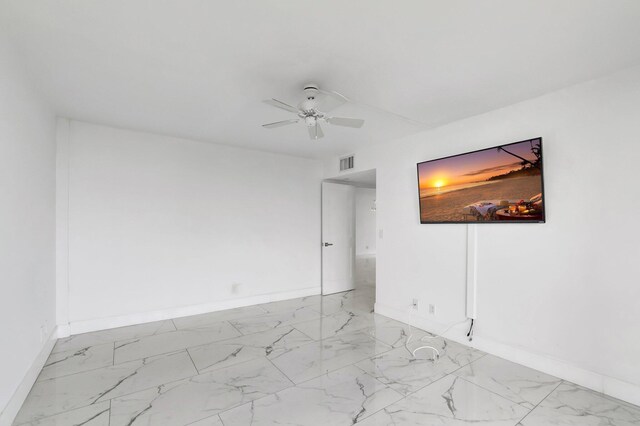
[(209, 421), (406, 374), (270, 343), (198, 397), (91, 415), (77, 360), (395, 333), (291, 304), (128, 350), (572, 405), (80, 341), (355, 301), (342, 397), (271, 320), (450, 401), (513, 381), (66, 393), (339, 323), (209, 319), (317, 358)]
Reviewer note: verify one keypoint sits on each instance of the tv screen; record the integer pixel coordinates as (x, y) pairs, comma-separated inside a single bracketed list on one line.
[(503, 184)]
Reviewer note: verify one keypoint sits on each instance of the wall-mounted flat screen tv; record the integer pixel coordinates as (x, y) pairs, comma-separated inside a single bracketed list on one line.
[(503, 184)]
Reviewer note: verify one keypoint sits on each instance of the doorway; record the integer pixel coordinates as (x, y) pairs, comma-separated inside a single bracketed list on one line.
[(349, 234)]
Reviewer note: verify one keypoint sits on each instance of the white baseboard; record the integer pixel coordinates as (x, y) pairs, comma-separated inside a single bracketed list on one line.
[(613, 387), (85, 326), (10, 412), (64, 330)]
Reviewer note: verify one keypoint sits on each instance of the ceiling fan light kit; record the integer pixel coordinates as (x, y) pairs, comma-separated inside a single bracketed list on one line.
[(312, 111)]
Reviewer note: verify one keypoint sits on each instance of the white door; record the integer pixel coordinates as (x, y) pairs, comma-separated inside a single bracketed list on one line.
[(338, 232)]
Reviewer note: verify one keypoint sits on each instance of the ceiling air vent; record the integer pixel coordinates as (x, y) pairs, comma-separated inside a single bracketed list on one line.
[(346, 163)]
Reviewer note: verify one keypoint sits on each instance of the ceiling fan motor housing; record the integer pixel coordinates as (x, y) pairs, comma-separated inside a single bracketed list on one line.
[(310, 103)]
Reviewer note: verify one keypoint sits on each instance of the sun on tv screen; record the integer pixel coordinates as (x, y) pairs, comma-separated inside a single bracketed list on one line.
[(503, 184)]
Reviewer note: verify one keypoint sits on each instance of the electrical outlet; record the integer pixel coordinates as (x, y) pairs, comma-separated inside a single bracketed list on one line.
[(235, 288), (432, 309), (414, 303)]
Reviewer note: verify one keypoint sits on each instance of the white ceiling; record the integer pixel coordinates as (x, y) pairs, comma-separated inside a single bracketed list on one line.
[(199, 69)]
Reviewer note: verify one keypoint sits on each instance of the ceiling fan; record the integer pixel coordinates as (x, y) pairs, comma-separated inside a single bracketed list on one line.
[(313, 111)]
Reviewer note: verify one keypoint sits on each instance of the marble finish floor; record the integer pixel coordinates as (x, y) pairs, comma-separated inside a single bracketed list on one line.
[(319, 360)]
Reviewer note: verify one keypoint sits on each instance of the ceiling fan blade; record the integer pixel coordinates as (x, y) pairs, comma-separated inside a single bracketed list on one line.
[(347, 122), (279, 104), (384, 111), (315, 132), (329, 101), (280, 123)]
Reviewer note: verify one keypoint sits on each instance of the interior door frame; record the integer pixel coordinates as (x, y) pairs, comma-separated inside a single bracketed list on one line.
[(378, 231), (322, 236)]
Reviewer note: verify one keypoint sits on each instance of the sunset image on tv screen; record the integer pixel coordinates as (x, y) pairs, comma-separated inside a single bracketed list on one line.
[(501, 184)]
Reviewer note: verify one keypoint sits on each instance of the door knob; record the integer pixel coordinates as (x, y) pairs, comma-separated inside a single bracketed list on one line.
[(328, 244)]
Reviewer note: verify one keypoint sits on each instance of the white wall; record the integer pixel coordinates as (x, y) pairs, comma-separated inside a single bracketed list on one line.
[(27, 232), (160, 226), (566, 300), (365, 221)]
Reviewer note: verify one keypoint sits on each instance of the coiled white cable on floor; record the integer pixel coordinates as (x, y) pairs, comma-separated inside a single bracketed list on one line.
[(436, 353)]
